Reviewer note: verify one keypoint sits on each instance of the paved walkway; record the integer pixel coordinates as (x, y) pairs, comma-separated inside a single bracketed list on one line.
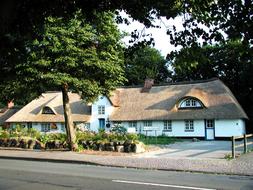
[(240, 166), (189, 149)]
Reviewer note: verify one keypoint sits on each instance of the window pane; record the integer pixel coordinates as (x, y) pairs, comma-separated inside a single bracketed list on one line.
[(189, 125), (101, 109), (147, 123), (167, 126)]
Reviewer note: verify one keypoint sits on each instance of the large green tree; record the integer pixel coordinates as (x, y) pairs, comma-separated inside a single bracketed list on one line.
[(20, 20), (145, 62), (74, 55)]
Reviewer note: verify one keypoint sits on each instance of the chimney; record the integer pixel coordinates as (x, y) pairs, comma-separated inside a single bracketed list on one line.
[(10, 104), (147, 85)]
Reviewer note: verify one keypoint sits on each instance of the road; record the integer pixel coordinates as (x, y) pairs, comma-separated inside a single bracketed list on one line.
[(25, 175)]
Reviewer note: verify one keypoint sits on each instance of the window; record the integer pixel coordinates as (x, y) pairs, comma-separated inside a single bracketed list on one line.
[(189, 125), (193, 103), (167, 125), (53, 126), (29, 126), (87, 126), (47, 110), (132, 124), (209, 123), (45, 127), (147, 123), (190, 103), (63, 127), (101, 110), (116, 123)]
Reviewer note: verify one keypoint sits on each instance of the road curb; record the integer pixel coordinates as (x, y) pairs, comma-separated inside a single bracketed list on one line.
[(50, 160), (115, 166)]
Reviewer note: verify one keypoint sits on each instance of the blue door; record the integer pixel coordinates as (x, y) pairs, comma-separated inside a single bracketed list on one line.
[(101, 123)]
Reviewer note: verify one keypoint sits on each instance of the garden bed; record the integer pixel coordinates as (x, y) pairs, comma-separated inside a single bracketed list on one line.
[(90, 142)]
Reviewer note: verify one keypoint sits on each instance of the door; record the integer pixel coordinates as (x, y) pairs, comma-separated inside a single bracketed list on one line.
[(209, 129), (101, 123)]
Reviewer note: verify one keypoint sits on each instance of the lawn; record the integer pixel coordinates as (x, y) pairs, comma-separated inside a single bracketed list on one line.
[(161, 140)]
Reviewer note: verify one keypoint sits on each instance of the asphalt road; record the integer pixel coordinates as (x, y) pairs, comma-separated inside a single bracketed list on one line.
[(25, 175)]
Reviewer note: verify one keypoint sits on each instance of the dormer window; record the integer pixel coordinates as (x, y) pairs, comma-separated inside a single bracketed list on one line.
[(190, 102), (47, 110)]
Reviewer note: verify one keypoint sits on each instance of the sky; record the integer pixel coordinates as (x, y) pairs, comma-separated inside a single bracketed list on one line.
[(162, 40)]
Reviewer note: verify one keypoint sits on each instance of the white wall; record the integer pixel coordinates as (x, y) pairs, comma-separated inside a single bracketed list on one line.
[(223, 128), (94, 121), (37, 126), (228, 128), (59, 128), (178, 128)]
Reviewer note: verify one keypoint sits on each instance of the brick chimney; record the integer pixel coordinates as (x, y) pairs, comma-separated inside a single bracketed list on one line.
[(10, 104), (147, 85)]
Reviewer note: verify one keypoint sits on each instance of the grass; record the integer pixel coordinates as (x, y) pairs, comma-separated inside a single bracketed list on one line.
[(161, 140)]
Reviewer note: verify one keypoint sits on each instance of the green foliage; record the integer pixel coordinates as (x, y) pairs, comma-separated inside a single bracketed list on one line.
[(145, 62), (61, 137), (119, 130), (228, 157), (214, 21), (4, 134), (44, 138), (105, 137), (20, 131), (161, 140), (88, 57)]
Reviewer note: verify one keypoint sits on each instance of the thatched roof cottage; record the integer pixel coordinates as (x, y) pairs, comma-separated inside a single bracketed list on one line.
[(205, 109)]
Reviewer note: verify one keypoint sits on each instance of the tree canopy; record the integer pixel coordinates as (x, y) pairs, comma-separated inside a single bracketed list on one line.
[(145, 62), (73, 54)]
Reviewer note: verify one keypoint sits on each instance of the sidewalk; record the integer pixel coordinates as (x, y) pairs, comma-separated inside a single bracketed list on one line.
[(240, 166)]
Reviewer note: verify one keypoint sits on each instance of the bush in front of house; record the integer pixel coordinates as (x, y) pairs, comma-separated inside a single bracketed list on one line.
[(109, 141), (20, 137), (117, 140)]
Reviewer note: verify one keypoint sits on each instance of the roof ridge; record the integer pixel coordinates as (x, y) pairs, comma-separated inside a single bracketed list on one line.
[(175, 83)]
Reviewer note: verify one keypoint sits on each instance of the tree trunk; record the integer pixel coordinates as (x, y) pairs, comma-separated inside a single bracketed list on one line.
[(69, 125)]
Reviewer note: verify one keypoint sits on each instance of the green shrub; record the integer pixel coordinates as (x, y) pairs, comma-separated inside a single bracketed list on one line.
[(44, 138), (132, 136), (119, 130), (4, 134)]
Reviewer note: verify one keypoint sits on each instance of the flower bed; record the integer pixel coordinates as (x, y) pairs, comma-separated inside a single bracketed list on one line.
[(102, 141)]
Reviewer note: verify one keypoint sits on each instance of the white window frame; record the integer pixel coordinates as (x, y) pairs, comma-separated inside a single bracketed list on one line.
[(132, 124), (189, 125), (167, 125), (45, 127), (147, 123), (101, 109), (190, 103)]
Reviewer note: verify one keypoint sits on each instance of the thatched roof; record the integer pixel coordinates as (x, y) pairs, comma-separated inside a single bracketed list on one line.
[(160, 102), (32, 112), (132, 103), (6, 113)]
